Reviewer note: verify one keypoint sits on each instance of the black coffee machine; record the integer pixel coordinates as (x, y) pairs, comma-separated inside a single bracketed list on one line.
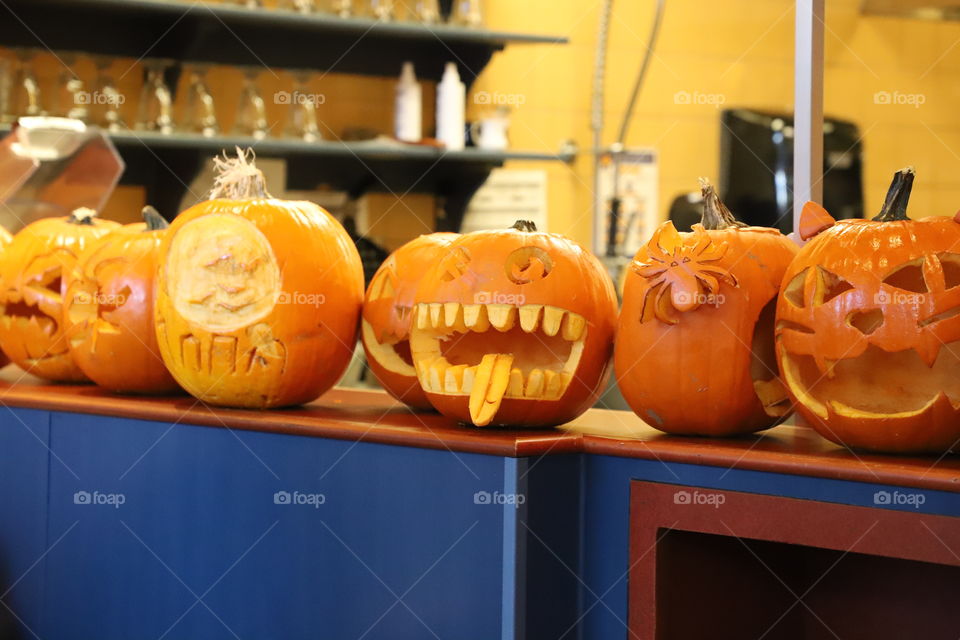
[(756, 167)]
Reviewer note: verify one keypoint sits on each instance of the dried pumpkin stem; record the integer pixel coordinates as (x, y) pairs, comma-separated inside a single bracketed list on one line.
[(898, 195), (524, 225), (238, 178), (82, 215), (155, 221), (715, 214)]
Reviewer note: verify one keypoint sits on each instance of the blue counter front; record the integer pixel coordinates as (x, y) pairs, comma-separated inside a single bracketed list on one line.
[(132, 527)]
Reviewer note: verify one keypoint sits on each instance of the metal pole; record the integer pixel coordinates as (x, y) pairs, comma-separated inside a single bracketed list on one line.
[(808, 108)]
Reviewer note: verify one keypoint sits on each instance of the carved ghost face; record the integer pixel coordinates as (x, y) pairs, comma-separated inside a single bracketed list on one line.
[(868, 333), (513, 328), (387, 314), (32, 328), (257, 301), (109, 310)]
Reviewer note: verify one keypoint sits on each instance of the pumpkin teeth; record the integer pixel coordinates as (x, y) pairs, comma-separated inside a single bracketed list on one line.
[(552, 317), (502, 316)]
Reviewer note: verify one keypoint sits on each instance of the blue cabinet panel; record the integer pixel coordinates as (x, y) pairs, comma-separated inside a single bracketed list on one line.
[(24, 436), (207, 533)]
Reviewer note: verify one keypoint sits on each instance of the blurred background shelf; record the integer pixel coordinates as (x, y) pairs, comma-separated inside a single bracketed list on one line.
[(234, 35)]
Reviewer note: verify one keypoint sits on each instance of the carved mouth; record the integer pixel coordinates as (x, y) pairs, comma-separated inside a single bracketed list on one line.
[(877, 384), (24, 316), (393, 356), (494, 351)]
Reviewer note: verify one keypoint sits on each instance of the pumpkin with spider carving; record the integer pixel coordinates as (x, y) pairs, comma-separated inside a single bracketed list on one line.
[(513, 327), (258, 299), (868, 327), (694, 352)]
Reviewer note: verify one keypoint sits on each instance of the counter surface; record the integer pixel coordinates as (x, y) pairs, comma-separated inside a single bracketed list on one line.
[(372, 416)]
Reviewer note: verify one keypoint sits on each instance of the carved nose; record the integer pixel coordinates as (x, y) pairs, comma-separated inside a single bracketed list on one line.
[(866, 322)]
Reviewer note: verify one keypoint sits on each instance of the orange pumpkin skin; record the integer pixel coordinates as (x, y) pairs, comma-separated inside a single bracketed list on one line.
[(33, 270), (258, 299), (109, 312), (5, 240), (387, 312), (868, 329), (690, 324), (534, 307)]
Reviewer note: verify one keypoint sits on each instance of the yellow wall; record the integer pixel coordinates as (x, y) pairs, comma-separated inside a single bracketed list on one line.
[(742, 50)]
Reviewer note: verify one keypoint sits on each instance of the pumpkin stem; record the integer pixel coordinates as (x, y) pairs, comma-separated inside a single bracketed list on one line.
[(154, 220), (716, 216), (895, 204), (83, 215), (524, 225), (238, 178)]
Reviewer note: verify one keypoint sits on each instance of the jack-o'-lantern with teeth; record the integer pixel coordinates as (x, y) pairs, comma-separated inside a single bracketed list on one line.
[(109, 309), (258, 299), (695, 352), (33, 271), (868, 327), (387, 315), (513, 328)]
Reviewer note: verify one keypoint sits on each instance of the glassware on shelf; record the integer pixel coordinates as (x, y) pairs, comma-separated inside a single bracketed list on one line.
[(105, 106), (426, 11), (302, 122), (252, 111), (342, 8), (200, 115), (300, 6), (467, 13), (381, 9), (249, 4), (72, 98), (6, 84), (25, 100), (156, 101)]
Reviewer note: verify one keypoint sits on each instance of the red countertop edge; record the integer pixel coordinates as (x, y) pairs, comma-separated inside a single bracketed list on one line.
[(374, 417)]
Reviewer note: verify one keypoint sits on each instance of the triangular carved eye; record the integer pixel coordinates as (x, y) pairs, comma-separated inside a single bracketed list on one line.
[(831, 285), (908, 277), (950, 262), (793, 292)]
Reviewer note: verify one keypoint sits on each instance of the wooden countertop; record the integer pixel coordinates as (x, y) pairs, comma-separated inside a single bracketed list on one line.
[(372, 416)]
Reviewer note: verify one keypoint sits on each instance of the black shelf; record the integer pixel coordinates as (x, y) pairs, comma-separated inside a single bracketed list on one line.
[(165, 164), (235, 35)]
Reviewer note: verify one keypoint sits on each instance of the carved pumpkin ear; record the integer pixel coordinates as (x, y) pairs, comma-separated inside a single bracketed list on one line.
[(814, 219), (956, 216)]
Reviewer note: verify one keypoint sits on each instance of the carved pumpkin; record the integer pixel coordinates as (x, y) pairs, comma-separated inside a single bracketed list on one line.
[(109, 309), (33, 269), (513, 327), (258, 299), (868, 327), (5, 240), (694, 351), (387, 313)]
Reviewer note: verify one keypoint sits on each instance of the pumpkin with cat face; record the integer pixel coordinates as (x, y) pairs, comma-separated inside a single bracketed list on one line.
[(868, 327)]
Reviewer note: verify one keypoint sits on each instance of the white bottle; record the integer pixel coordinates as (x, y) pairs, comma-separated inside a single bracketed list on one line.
[(451, 105), (407, 112)]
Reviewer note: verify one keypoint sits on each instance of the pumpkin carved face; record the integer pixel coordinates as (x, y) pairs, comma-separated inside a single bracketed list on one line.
[(258, 299), (694, 351), (513, 327), (868, 327), (33, 269), (388, 312), (109, 309)]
